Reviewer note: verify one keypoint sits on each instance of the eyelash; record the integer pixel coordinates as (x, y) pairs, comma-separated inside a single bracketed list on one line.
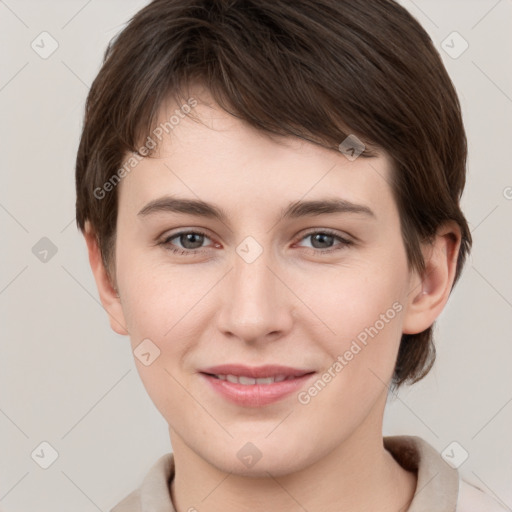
[(187, 252)]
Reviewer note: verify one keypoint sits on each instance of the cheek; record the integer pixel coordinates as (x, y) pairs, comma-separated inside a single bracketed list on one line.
[(161, 317), (351, 301), (361, 357), (154, 295), (363, 310), (164, 308)]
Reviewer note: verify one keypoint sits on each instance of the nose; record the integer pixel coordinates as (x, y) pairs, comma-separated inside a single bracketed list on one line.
[(256, 304)]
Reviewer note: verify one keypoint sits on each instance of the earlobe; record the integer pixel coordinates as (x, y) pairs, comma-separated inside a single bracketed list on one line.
[(429, 294), (108, 294)]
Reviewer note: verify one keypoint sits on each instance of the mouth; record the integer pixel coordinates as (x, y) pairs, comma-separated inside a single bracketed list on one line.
[(255, 386), (254, 374), (250, 381)]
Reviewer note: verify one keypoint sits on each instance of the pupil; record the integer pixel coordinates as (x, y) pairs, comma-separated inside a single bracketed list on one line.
[(189, 237), (321, 236)]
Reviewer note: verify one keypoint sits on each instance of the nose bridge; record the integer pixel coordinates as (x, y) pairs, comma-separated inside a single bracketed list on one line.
[(255, 303)]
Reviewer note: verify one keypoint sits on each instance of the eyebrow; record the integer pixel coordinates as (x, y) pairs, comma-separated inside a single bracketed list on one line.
[(293, 210)]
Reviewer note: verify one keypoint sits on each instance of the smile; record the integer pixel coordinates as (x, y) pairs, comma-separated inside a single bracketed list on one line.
[(255, 386), (250, 381)]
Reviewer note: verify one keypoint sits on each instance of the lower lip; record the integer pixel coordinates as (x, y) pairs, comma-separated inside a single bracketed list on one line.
[(256, 395)]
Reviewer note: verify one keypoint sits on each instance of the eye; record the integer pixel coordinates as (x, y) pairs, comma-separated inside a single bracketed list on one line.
[(322, 241), (191, 242)]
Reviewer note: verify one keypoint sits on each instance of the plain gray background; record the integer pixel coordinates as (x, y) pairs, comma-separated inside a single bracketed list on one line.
[(68, 380)]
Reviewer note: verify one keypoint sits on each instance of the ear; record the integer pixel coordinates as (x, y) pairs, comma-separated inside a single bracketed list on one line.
[(429, 293), (107, 291)]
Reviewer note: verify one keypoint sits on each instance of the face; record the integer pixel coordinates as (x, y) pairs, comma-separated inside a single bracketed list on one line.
[(320, 292)]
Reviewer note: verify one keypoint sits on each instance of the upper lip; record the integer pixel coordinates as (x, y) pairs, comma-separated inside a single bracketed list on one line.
[(255, 372)]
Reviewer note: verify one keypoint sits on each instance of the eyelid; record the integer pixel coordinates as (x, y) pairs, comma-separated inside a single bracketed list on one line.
[(163, 239), (304, 234), (327, 231), (344, 240)]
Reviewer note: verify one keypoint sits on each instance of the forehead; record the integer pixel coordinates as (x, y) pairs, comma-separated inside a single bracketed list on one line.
[(214, 156)]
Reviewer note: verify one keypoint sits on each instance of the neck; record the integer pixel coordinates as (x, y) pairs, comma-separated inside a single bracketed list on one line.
[(360, 474)]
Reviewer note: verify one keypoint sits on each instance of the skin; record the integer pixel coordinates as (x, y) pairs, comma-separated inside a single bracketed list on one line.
[(290, 306)]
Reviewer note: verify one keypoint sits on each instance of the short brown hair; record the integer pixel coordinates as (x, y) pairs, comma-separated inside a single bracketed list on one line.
[(315, 69)]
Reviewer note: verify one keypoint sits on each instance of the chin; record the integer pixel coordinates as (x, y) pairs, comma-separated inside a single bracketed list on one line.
[(251, 461)]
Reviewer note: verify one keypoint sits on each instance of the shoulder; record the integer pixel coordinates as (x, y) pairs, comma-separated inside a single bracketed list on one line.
[(439, 484), (154, 492), (129, 503), (472, 499)]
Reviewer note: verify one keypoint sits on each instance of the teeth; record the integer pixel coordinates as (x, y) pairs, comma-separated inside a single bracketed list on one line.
[(249, 381), (246, 380)]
